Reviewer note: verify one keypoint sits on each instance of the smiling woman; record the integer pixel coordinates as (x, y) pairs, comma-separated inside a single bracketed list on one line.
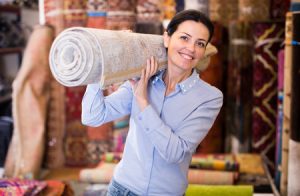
[(171, 111), (186, 47)]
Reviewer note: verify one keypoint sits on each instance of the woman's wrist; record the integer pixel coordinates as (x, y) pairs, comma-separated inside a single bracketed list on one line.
[(143, 104)]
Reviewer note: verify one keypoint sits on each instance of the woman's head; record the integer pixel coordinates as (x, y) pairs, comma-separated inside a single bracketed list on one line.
[(193, 15), (186, 38)]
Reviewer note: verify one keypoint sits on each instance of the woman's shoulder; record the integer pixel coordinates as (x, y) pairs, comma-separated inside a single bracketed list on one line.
[(208, 90)]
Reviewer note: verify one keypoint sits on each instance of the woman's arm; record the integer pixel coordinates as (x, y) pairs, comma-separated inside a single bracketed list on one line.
[(174, 145), (98, 109)]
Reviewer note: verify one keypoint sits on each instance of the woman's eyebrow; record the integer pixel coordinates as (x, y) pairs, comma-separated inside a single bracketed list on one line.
[(200, 39)]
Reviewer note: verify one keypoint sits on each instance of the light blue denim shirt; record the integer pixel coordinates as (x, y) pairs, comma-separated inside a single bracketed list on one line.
[(163, 137)]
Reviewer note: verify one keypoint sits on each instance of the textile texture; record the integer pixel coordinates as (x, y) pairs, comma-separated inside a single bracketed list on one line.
[(75, 144), (208, 190), (99, 142), (254, 10), (61, 119), (211, 177), (55, 125), (250, 163), (76, 138), (21, 187), (30, 93), (223, 11), (97, 5), (121, 20), (102, 57), (121, 14), (63, 14), (222, 162), (83, 145), (149, 11), (98, 22), (122, 5), (54, 16), (268, 38), (55, 187), (74, 13), (34, 187)]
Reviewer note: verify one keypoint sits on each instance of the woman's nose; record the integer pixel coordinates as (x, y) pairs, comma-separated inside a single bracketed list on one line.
[(191, 46)]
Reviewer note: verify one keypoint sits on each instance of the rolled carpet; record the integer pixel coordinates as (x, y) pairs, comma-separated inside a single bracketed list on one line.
[(81, 56), (215, 190), (211, 177)]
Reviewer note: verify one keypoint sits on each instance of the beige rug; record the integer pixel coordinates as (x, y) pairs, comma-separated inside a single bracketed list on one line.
[(80, 56)]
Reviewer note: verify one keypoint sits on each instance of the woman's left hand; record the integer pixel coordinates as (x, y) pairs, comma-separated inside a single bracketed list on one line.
[(140, 86)]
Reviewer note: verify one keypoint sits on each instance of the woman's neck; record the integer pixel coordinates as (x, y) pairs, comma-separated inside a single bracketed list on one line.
[(172, 78)]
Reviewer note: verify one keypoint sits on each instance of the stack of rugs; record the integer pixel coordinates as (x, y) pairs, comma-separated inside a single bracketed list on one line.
[(213, 169), (209, 174), (205, 169), (34, 187)]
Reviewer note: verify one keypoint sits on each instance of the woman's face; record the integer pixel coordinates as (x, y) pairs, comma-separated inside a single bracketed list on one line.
[(186, 46)]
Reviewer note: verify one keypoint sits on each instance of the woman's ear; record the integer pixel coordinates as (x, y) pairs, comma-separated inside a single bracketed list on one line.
[(166, 39)]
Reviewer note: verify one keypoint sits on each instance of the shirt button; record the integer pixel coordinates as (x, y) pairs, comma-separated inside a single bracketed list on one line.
[(147, 129), (140, 118)]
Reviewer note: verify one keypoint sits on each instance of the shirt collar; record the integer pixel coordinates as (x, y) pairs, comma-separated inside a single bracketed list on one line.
[(189, 83), (158, 76), (185, 85)]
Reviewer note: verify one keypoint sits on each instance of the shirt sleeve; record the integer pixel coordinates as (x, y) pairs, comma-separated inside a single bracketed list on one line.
[(98, 109), (172, 145)]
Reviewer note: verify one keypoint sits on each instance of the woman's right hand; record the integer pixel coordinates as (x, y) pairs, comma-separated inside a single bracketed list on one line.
[(140, 86)]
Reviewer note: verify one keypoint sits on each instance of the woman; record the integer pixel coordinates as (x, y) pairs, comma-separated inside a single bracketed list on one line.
[(171, 112)]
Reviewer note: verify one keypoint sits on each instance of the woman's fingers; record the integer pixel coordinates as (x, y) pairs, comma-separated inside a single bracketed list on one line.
[(143, 77), (148, 69), (152, 64), (151, 67), (155, 66)]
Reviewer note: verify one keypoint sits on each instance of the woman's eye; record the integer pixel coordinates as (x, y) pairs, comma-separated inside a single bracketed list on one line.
[(201, 44), (185, 38)]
